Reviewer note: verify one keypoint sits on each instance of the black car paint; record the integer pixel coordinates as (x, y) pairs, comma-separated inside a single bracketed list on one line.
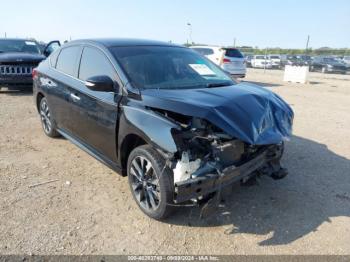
[(105, 124), (257, 116), (97, 114)]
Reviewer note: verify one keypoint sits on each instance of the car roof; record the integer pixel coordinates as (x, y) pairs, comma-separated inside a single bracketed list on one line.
[(110, 42), (20, 39)]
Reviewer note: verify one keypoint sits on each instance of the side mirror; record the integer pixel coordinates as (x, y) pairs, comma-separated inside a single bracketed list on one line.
[(101, 84), (51, 47)]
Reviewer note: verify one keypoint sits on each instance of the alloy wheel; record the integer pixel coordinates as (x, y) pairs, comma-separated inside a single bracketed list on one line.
[(45, 117), (145, 183)]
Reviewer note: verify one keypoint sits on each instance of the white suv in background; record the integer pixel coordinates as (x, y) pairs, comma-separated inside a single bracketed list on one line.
[(260, 61), (229, 59), (275, 60)]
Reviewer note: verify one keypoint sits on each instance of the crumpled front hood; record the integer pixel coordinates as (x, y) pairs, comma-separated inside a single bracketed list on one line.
[(20, 57), (245, 111)]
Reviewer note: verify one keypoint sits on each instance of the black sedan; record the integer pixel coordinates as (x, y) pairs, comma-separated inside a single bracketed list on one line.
[(328, 65), (172, 121)]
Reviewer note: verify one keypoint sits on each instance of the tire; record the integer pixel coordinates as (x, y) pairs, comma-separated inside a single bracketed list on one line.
[(47, 122), (150, 183)]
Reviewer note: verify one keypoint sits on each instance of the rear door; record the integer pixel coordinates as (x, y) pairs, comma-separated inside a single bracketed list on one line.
[(95, 113), (62, 78)]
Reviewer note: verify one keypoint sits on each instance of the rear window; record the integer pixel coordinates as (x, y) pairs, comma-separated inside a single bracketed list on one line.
[(53, 58), (233, 53), (204, 51)]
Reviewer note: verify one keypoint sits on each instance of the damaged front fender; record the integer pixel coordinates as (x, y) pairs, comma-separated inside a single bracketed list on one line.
[(151, 127)]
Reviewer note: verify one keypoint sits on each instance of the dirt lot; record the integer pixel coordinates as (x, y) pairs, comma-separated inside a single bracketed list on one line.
[(89, 210)]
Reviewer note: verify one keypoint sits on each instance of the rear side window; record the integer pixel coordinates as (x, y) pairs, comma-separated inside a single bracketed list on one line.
[(95, 63), (204, 51), (233, 53), (53, 58), (67, 60)]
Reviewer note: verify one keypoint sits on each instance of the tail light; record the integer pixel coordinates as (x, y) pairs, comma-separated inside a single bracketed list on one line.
[(34, 73), (225, 60)]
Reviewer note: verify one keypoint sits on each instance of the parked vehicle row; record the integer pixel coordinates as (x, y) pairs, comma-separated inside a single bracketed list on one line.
[(328, 65), (261, 61), (324, 64)]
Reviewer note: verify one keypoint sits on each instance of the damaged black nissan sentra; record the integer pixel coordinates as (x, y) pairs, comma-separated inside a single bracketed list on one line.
[(176, 124)]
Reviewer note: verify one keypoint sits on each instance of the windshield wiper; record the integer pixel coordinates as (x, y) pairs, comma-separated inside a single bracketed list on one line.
[(219, 84)]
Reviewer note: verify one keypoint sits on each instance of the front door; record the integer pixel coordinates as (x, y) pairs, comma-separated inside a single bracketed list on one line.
[(94, 114)]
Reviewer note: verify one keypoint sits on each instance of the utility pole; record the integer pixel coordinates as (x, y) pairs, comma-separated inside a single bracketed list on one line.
[(307, 43), (234, 42), (5, 35), (190, 32), (265, 60)]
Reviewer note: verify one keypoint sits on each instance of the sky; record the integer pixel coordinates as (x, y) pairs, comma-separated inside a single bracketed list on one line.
[(262, 23)]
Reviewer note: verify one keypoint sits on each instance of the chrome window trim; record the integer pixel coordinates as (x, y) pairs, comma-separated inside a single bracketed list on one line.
[(75, 78)]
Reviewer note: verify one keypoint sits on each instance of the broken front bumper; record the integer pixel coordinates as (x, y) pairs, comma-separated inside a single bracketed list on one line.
[(201, 186)]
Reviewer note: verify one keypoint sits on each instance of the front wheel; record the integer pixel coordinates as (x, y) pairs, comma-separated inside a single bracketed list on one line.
[(150, 182)]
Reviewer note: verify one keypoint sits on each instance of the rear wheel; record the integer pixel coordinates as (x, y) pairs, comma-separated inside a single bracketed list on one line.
[(47, 122), (150, 182)]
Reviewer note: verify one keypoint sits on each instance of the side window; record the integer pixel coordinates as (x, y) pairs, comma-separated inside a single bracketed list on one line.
[(67, 60), (95, 63), (53, 58)]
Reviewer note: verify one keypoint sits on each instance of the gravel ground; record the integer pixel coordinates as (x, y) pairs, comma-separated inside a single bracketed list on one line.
[(89, 209)]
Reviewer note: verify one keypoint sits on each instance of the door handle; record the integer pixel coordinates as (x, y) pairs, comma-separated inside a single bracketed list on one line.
[(74, 97)]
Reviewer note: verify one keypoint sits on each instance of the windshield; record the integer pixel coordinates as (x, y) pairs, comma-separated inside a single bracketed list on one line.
[(26, 46), (164, 67)]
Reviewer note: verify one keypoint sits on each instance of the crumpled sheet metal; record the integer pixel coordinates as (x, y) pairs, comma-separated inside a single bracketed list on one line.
[(245, 111)]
